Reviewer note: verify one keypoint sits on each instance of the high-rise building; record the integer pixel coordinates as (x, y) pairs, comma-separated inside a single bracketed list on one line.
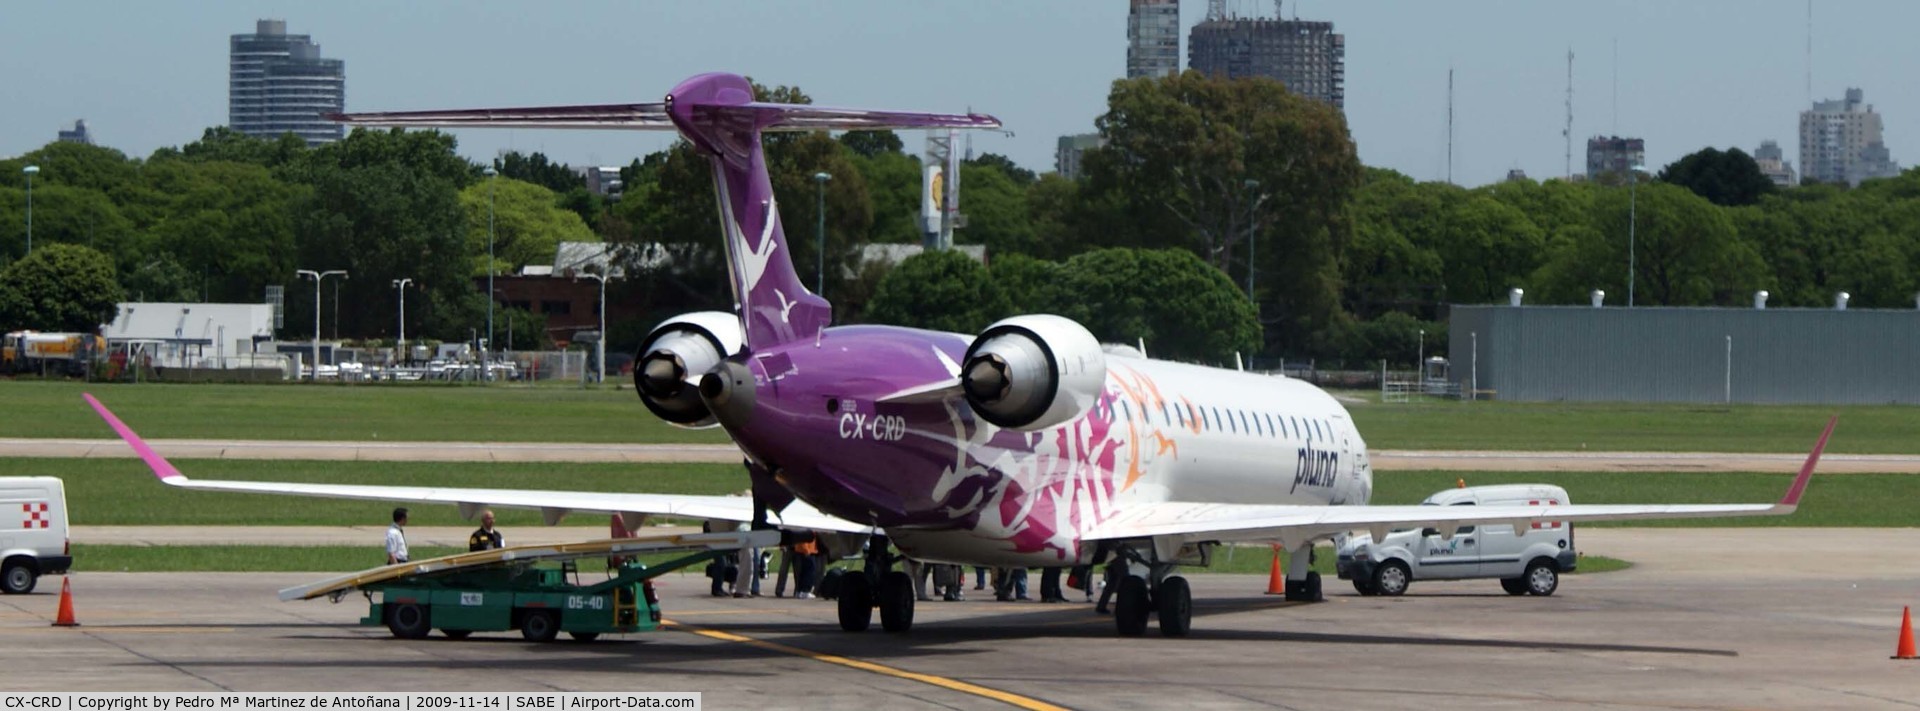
[(1613, 154), (1066, 158), (1307, 56), (79, 134), (1840, 142), (278, 83), (1773, 164), (1153, 38)]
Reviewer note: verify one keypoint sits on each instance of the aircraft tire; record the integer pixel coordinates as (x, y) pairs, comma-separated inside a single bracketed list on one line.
[(1131, 608), (540, 626), (1175, 601), (1542, 578), (856, 602), (1392, 578), (896, 602), (410, 621)]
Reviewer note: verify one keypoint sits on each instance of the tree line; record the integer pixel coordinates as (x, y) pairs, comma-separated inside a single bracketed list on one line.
[(1220, 216)]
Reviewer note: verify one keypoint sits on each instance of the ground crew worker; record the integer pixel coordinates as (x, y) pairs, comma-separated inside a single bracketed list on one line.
[(397, 537), (486, 538)]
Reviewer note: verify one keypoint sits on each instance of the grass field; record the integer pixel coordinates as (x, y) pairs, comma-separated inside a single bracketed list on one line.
[(419, 412), (121, 492), (1883, 429), (522, 414)]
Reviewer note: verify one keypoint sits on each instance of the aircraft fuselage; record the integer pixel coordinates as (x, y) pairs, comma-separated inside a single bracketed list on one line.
[(947, 485)]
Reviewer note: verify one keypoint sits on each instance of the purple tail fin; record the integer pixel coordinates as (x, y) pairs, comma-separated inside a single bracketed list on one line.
[(774, 306), (717, 113)]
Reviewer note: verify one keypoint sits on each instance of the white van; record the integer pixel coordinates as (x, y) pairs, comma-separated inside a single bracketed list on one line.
[(33, 531), (1526, 562)]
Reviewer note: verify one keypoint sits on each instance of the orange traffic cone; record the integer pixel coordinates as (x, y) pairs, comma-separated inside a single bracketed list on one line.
[(1904, 650), (65, 617), (1277, 577)]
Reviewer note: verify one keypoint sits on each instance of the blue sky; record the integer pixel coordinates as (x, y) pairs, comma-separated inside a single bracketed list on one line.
[(1725, 73)]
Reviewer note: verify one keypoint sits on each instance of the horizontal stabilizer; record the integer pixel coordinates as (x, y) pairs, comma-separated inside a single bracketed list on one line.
[(653, 117)]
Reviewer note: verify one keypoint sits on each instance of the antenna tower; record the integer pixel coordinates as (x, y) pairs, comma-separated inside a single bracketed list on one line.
[(1567, 132), (1216, 10), (1449, 125)]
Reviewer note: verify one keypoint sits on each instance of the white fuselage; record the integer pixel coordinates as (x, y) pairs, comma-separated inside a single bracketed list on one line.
[(1163, 431)]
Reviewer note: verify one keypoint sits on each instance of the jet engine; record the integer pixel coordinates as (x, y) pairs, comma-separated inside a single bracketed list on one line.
[(1033, 372), (674, 357)]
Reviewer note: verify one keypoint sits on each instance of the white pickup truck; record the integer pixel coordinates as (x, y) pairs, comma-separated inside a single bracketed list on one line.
[(1526, 562)]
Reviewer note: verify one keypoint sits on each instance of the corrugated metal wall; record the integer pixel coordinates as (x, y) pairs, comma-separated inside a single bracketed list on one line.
[(1553, 353)]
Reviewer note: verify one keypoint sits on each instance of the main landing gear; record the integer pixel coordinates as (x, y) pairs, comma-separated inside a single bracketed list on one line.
[(1157, 593), (879, 585)]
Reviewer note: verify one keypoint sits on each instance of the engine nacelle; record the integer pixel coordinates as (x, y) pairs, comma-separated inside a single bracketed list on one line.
[(674, 357), (1033, 372)]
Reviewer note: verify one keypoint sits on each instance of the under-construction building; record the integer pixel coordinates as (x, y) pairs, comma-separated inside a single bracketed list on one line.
[(1309, 57)]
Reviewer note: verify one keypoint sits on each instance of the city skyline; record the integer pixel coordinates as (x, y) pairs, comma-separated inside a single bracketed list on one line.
[(1685, 83)]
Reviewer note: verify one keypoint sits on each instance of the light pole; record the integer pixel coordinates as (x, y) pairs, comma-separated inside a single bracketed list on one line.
[(1420, 362), (401, 286), (1633, 223), (30, 171), (820, 234), (1252, 233), (490, 173), (317, 278), (600, 344)]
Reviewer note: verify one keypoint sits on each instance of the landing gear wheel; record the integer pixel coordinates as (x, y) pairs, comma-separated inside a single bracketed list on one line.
[(1392, 578), (856, 602), (540, 626), (1542, 578), (410, 621), (17, 579), (896, 602), (1514, 586), (1365, 587), (1131, 610), (1175, 601), (456, 634), (584, 636)]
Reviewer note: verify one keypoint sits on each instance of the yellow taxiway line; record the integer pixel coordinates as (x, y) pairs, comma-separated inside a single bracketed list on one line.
[(951, 684)]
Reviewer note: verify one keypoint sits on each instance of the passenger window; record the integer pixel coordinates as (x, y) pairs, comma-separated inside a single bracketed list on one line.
[(1181, 414), (1125, 411), (1270, 431), (1243, 422), (1164, 417), (1231, 425)]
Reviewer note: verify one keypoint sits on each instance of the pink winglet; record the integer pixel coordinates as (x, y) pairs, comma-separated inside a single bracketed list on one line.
[(160, 466), (1806, 470)]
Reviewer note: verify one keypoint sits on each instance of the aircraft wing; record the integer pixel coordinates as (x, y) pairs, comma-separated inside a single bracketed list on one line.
[(553, 505), (1294, 525)]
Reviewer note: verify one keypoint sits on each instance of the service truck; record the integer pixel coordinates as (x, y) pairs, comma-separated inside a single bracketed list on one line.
[(1526, 561)]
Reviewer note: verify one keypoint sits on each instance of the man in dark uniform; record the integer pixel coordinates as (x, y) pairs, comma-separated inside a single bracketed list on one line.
[(486, 537)]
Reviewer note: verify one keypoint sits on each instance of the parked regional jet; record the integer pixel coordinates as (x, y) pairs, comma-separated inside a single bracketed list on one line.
[(1028, 444)]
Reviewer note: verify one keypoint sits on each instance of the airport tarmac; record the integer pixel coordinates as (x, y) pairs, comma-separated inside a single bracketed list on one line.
[(1765, 632), (1384, 460)]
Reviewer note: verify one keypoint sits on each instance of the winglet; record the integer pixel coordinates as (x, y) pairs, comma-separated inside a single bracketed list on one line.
[(1799, 486), (160, 466)]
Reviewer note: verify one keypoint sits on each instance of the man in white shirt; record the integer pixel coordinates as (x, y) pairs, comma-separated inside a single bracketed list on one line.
[(397, 537)]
